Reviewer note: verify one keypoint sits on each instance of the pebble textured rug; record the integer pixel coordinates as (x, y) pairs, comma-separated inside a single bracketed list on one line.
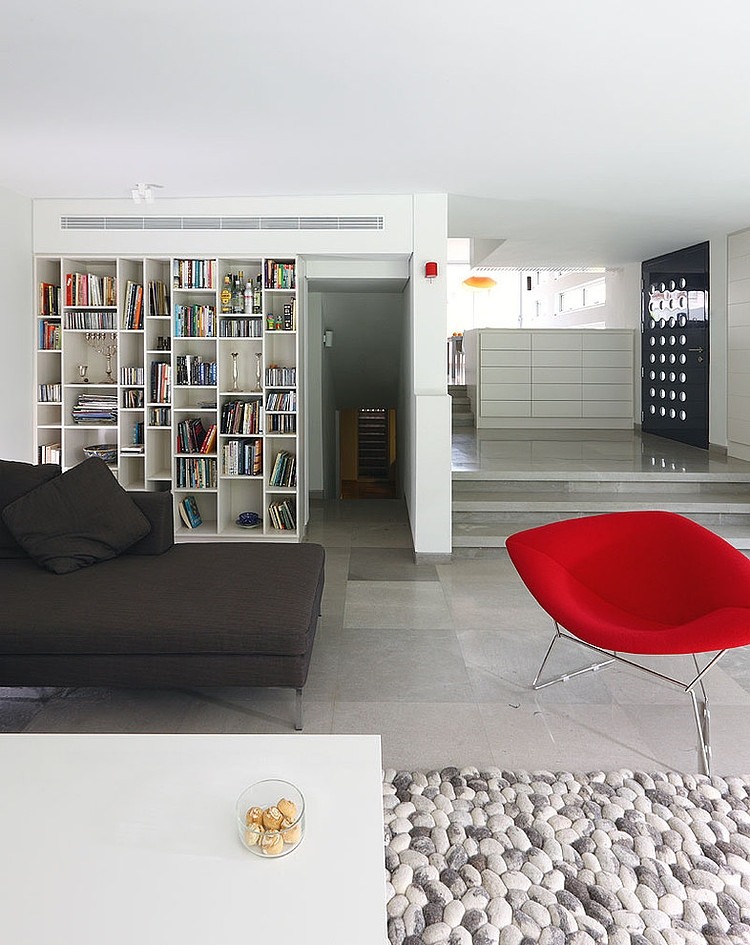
[(491, 857)]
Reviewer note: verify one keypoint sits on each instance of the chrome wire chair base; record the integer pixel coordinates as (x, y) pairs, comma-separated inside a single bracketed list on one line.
[(701, 710)]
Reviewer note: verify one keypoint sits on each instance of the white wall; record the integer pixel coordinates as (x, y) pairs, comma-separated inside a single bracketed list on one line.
[(415, 226), (429, 499), (17, 348)]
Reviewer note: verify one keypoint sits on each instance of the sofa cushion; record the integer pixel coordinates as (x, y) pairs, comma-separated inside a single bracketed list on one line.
[(16, 479), (76, 519), (158, 509)]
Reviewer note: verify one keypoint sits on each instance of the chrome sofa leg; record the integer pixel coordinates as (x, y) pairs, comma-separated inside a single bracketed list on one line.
[(298, 710), (536, 685), (702, 716)]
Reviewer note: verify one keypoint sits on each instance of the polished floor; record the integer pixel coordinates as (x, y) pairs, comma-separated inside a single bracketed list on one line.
[(583, 452), (437, 659)]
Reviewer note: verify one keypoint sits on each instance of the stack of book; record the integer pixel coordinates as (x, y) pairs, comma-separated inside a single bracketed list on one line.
[(132, 318), (96, 408), (282, 515), (284, 472), (239, 416)]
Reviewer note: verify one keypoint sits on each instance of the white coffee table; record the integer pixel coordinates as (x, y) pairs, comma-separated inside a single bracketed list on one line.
[(131, 840)]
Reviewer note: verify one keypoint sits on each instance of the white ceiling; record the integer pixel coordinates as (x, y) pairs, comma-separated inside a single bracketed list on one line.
[(585, 132)]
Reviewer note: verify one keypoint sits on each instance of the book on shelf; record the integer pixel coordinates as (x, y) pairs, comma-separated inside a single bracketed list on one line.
[(194, 274), (159, 417), (133, 313), (50, 393), (191, 370), (132, 398), (242, 457), (196, 472), (49, 299), (194, 321), (50, 336), (50, 453), (191, 435), (278, 376), (241, 416), (285, 423), (161, 379), (285, 401), (279, 275), (158, 300), (84, 320), (189, 513), (283, 516), (131, 376), (284, 471), (85, 288), (233, 326), (209, 440)]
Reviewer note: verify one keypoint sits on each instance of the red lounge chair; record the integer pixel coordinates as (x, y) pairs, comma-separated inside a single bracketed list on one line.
[(648, 583)]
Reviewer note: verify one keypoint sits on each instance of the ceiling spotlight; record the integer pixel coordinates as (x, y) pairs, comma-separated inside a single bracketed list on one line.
[(144, 193)]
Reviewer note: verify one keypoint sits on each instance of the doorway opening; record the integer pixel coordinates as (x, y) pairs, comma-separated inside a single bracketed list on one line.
[(367, 453)]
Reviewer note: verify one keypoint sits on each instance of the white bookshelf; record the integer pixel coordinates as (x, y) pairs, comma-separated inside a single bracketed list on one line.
[(179, 322)]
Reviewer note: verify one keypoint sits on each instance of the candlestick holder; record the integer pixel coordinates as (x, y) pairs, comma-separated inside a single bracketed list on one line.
[(258, 385), (104, 343), (235, 372)]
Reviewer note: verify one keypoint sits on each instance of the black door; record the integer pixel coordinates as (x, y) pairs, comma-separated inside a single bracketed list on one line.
[(674, 346)]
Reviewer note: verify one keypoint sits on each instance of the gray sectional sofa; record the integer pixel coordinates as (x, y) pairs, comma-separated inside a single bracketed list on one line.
[(155, 614)]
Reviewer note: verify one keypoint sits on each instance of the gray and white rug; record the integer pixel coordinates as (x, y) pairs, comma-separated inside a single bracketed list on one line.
[(494, 857)]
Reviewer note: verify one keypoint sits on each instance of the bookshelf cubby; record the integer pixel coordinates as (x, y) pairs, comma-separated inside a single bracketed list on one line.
[(176, 352)]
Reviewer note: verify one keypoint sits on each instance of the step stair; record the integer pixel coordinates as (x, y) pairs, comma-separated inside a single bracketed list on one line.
[(489, 506), (461, 412)]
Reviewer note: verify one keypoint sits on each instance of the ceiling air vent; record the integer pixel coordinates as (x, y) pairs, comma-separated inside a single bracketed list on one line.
[(222, 223)]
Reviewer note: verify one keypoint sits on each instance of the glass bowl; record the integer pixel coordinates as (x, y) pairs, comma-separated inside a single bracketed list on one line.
[(271, 818)]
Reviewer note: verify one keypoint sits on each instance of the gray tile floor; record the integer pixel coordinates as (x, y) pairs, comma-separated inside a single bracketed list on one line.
[(437, 659)]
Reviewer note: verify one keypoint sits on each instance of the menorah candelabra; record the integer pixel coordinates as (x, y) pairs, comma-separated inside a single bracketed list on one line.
[(105, 343)]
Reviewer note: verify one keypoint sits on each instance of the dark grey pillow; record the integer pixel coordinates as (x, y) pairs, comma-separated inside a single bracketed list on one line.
[(16, 479), (157, 507), (77, 519)]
